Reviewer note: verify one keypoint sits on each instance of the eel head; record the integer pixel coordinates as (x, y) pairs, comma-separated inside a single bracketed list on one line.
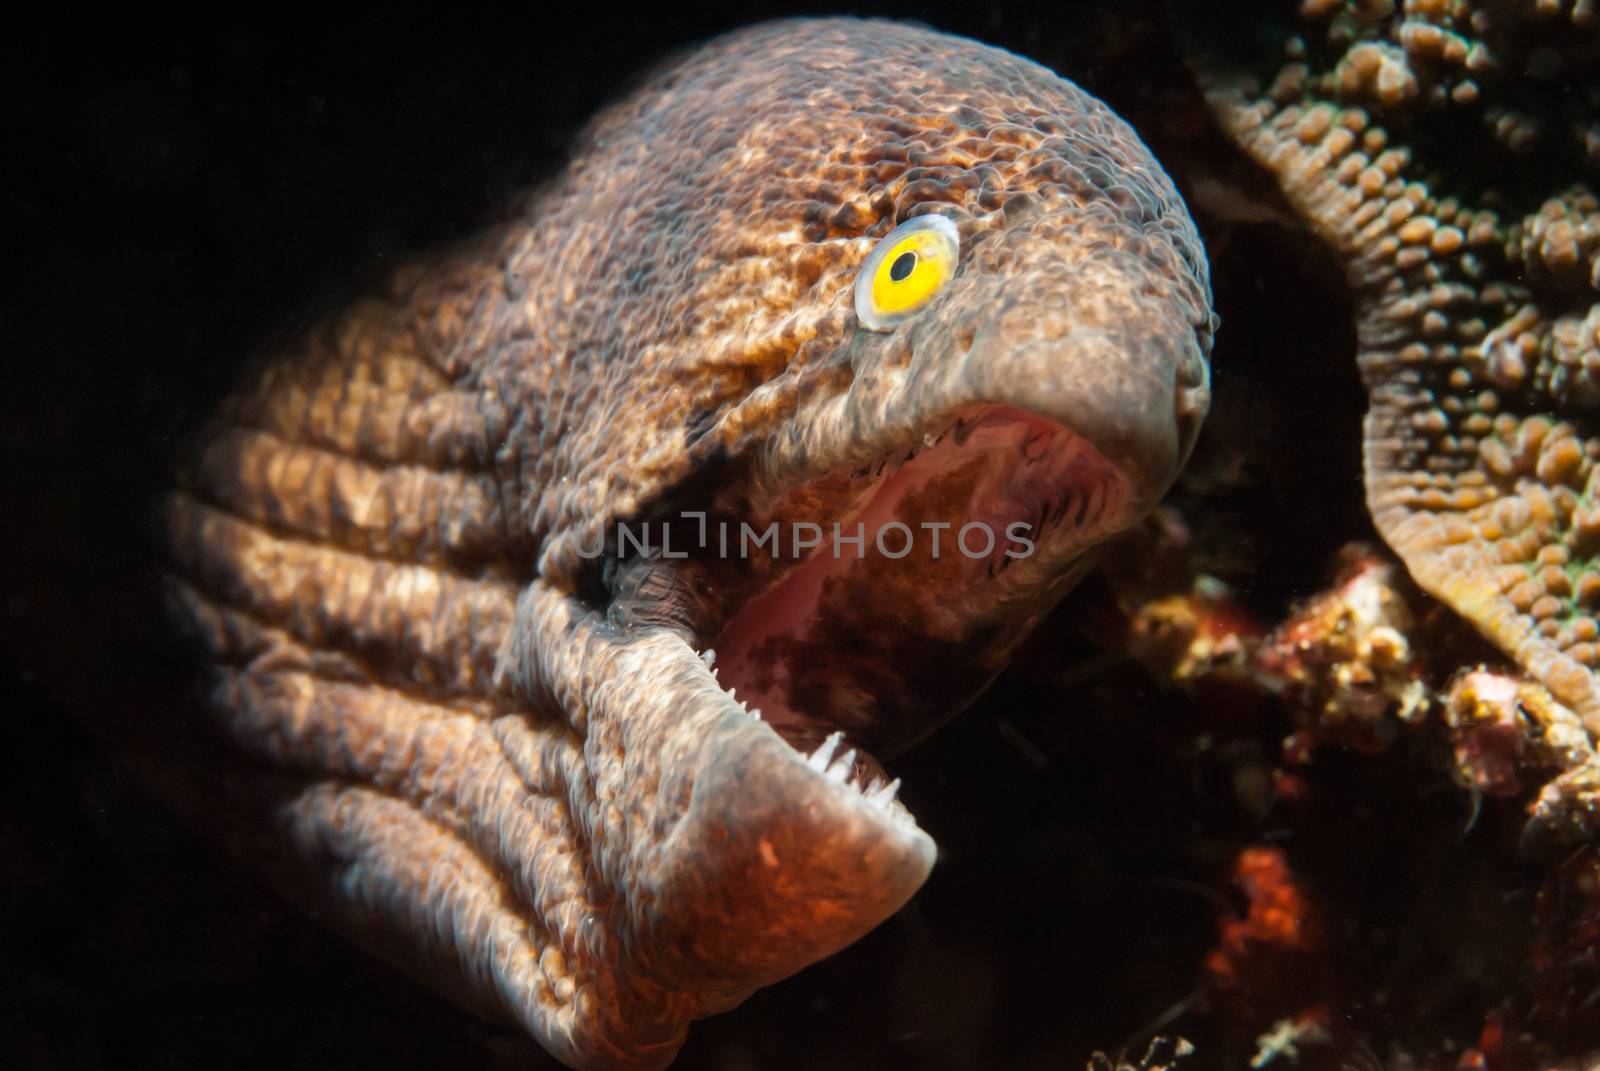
[(568, 603), (866, 527)]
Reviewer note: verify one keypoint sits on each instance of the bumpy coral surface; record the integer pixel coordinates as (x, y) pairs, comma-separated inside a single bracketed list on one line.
[(1446, 150)]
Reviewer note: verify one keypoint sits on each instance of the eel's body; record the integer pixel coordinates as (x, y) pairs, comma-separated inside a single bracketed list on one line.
[(482, 732)]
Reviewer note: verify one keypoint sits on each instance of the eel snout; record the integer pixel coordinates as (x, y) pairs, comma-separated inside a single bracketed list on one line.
[(1106, 346)]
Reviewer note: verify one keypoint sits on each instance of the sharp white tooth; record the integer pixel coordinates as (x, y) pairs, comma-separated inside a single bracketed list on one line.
[(756, 714), (929, 440), (733, 693), (884, 795), (818, 760), (840, 769), (709, 657)]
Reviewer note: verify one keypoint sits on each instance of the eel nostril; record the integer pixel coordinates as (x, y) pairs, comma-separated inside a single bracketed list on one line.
[(1191, 397), (1192, 371), (1191, 406)]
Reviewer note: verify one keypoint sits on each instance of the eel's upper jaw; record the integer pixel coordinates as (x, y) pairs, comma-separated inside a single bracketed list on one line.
[(1113, 348), (1072, 428)]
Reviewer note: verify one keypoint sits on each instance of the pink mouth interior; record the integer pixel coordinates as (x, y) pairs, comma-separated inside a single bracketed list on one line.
[(1022, 468)]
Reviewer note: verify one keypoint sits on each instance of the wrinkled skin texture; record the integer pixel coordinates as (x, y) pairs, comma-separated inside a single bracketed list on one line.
[(502, 762), (1447, 152)]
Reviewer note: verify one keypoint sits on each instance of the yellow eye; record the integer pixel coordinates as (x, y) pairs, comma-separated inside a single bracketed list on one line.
[(905, 270)]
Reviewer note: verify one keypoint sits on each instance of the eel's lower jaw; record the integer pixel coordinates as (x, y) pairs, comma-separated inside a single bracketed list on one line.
[(834, 759), (777, 860), (781, 841)]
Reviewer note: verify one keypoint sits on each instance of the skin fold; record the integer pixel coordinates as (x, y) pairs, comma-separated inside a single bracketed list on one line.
[(449, 709)]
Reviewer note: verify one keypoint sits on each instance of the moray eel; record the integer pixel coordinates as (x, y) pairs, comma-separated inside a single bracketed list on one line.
[(814, 273), (1446, 151)]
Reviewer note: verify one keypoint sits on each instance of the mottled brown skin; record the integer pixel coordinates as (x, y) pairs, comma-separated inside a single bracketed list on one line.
[(506, 765), (1447, 151)]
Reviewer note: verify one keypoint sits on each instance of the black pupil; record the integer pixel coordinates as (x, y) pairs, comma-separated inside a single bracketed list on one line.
[(902, 266)]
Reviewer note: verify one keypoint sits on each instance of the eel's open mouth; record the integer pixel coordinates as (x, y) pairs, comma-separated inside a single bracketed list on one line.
[(776, 834), (918, 523), (930, 563)]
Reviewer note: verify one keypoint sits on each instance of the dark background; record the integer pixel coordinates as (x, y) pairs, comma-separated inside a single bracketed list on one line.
[(181, 191)]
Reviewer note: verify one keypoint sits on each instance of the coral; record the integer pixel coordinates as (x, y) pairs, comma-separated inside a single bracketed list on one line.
[(1161, 1054), (1344, 659), (1445, 152), (1435, 146), (1373, 664), (1566, 957), (1361, 662), (1182, 626), (1267, 962)]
